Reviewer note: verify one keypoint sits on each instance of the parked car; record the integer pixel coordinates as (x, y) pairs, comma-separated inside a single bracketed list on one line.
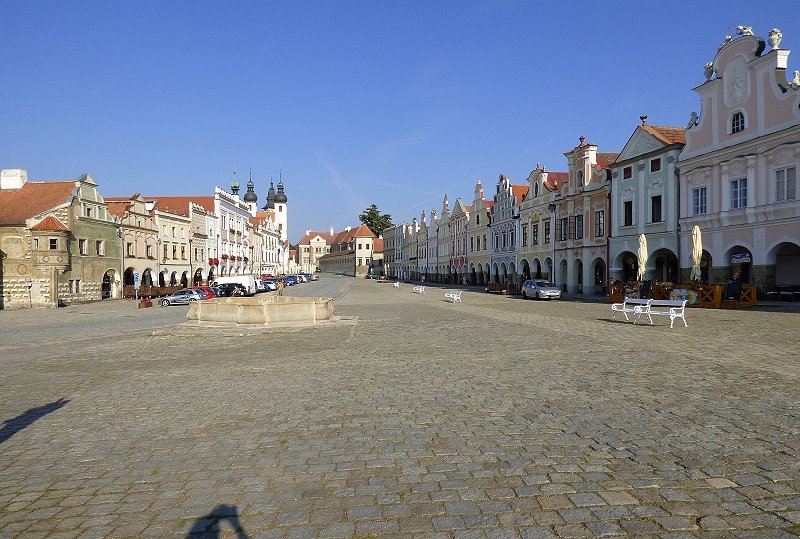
[(539, 289), (290, 280), (205, 290), (225, 290), (270, 285), (182, 297)]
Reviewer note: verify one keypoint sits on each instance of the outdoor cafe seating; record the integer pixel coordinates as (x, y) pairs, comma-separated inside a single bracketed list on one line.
[(733, 294)]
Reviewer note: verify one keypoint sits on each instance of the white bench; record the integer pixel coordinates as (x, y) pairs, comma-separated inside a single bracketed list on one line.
[(628, 305), (419, 290), (453, 297), (674, 308)]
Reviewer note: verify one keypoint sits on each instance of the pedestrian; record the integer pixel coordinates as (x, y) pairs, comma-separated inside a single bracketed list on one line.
[(280, 287)]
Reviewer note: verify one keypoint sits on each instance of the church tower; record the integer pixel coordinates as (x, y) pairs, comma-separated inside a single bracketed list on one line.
[(280, 209)]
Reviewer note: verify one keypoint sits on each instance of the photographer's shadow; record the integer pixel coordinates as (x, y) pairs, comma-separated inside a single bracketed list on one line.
[(208, 526)]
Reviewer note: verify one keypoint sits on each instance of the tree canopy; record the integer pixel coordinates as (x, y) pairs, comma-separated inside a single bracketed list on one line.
[(375, 220)]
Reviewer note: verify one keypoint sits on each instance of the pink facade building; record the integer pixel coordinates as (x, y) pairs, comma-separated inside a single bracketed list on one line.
[(738, 170)]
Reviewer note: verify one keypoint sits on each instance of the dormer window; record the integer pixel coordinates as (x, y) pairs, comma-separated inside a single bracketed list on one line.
[(580, 178), (737, 122)]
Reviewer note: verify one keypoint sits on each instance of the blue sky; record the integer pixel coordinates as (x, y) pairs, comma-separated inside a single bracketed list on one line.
[(351, 102)]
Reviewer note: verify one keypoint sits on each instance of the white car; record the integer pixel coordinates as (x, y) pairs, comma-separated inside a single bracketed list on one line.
[(539, 289)]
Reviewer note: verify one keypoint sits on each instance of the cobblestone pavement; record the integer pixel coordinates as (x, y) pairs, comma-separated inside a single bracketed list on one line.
[(496, 418)]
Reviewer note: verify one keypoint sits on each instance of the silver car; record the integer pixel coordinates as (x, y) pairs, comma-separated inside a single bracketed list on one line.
[(539, 289), (182, 297)]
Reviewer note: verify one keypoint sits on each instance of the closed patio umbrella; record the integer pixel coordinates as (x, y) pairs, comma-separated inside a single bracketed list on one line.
[(697, 253), (642, 256)]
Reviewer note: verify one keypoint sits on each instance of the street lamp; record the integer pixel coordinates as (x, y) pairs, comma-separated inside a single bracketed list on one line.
[(552, 208)]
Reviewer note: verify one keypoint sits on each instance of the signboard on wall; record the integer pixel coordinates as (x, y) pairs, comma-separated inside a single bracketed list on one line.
[(740, 258)]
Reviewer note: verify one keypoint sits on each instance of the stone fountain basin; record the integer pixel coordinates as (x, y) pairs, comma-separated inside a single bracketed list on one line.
[(263, 310)]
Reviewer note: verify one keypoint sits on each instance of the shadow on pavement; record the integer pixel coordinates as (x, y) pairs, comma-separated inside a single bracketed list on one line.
[(208, 526), (15, 424)]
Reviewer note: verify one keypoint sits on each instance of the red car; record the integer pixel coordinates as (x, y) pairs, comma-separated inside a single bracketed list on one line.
[(205, 290)]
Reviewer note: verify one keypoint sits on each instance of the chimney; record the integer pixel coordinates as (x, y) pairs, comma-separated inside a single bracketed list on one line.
[(13, 178)]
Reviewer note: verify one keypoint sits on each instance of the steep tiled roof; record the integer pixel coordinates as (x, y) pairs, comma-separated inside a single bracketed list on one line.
[(180, 205), (50, 223), (556, 179), (377, 245), (605, 159), (667, 134), (364, 232), (33, 198), (519, 190), (306, 240), (118, 207)]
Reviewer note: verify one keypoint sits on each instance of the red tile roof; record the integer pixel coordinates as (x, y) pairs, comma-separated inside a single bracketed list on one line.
[(605, 159), (306, 240), (667, 134), (118, 207), (32, 199), (377, 245), (519, 190), (50, 224), (180, 205), (556, 179)]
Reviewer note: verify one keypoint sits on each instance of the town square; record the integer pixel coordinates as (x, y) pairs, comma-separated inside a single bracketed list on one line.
[(410, 417), (428, 270)]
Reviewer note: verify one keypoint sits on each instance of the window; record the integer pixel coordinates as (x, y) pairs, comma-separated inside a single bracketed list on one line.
[(627, 173), (174, 251), (183, 252), (359, 261), (524, 234), (477, 220), (165, 251), (88, 211), (82, 247), (547, 231), (472, 245), (580, 178), (77, 286), (535, 234), (53, 244), (35, 244), (99, 247), (785, 184), (484, 242), (564, 229), (739, 193), (71, 286), (737, 122), (655, 164), (699, 201), (599, 223), (627, 213), (655, 209), (578, 227), (129, 249), (148, 250)]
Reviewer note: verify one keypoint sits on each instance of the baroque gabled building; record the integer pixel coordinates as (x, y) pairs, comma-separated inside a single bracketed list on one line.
[(478, 237), (58, 242), (535, 254), (644, 200), (738, 170), (459, 221), (505, 232), (581, 216)]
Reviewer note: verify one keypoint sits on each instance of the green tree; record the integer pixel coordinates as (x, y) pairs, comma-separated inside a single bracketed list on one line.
[(375, 220)]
